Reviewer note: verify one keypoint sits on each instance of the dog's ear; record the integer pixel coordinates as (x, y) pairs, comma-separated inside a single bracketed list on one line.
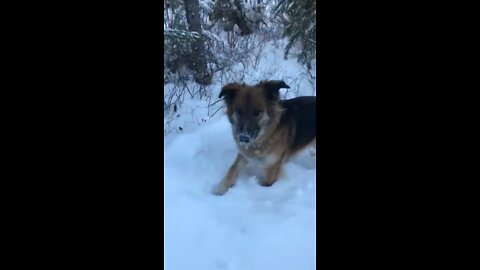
[(229, 91), (272, 88)]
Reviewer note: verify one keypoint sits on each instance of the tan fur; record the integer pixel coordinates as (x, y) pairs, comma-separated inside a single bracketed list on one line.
[(273, 145)]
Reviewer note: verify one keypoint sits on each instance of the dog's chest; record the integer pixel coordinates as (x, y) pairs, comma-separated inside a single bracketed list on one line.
[(252, 152), (257, 158)]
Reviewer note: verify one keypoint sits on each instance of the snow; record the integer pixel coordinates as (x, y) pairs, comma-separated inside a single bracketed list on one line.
[(206, 5), (250, 227)]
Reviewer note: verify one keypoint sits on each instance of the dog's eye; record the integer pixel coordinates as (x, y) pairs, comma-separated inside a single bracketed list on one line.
[(238, 112), (256, 112)]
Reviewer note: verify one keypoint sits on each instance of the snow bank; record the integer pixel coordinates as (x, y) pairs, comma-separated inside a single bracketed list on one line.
[(250, 227)]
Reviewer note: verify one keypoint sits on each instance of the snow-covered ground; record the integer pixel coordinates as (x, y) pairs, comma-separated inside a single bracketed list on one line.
[(250, 227)]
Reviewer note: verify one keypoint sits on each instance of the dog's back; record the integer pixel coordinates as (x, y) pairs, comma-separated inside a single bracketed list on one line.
[(300, 114)]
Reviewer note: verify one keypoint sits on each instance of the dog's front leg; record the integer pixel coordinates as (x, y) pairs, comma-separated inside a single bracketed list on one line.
[(229, 180), (272, 173)]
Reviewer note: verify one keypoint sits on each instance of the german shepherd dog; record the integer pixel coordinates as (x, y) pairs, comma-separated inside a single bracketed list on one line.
[(267, 131)]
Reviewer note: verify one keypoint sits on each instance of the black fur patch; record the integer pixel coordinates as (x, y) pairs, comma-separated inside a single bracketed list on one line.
[(301, 112), (272, 88)]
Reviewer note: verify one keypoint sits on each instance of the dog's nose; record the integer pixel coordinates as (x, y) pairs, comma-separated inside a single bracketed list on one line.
[(243, 138)]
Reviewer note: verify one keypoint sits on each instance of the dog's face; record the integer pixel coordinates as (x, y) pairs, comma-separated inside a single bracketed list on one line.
[(251, 109)]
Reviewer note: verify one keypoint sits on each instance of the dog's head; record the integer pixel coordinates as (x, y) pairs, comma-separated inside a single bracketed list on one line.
[(252, 109)]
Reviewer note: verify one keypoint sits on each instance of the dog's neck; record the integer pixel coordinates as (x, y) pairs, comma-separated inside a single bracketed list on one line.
[(261, 147), (255, 149)]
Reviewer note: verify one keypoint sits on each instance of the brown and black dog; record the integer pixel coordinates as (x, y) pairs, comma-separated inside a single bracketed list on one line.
[(267, 130)]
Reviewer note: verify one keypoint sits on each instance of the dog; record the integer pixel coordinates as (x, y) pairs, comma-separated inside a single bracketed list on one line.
[(267, 131)]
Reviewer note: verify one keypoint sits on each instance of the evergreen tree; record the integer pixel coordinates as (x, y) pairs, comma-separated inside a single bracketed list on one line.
[(300, 28), (198, 56), (247, 15), (183, 42)]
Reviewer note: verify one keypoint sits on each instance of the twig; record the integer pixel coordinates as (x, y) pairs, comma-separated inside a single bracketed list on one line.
[(216, 111)]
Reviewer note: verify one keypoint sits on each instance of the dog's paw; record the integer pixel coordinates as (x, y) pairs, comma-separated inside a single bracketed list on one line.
[(220, 189), (266, 183)]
